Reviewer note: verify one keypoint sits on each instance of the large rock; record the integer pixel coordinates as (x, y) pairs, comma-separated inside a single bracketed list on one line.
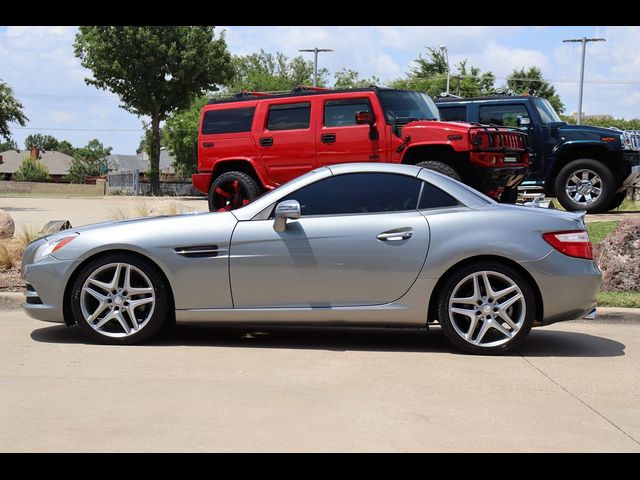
[(7, 227), (618, 257)]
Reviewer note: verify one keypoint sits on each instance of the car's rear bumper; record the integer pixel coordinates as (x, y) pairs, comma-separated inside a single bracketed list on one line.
[(201, 181), (568, 286)]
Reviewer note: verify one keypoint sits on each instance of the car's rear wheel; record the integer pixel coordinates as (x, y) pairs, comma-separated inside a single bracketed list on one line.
[(486, 308), (232, 190), (120, 299), (585, 184), (440, 167)]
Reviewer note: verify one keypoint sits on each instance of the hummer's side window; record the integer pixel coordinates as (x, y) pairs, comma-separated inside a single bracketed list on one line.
[(453, 114), (503, 115)]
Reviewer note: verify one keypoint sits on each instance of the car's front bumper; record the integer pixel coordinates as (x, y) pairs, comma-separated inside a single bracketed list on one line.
[(568, 286), (47, 279)]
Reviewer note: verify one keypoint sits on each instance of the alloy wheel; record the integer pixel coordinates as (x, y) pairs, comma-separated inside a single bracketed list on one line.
[(117, 300), (487, 309), (583, 187)]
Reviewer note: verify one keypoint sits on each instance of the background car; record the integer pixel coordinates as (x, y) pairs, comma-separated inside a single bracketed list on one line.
[(352, 244)]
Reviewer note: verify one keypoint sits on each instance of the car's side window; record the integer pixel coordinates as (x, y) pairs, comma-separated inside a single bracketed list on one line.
[(342, 113), (453, 114), (433, 197), (358, 193), (504, 115), (289, 116)]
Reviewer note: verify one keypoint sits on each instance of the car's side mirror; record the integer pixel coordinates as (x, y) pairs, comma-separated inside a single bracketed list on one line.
[(367, 118), (289, 209), (523, 121), (364, 118)]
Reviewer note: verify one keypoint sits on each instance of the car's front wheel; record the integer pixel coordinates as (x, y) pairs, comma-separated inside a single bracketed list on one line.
[(120, 299), (486, 308)]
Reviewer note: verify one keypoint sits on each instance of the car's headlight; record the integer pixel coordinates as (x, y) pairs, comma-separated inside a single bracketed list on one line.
[(52, 246)]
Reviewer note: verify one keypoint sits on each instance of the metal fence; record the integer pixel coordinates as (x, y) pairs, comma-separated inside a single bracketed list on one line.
[(125, 181)]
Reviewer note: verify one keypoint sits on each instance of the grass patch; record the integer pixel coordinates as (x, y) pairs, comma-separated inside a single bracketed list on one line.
[(598, 231), (619, 299), (628, 205), (6, 258)]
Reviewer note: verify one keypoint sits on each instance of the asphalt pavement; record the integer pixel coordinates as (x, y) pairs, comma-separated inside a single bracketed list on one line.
[(570, 387)]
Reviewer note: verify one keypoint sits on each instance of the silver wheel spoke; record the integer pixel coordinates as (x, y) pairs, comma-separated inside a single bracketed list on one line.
[(143, 301), (482, 332), (472, 299), (464, 311), (103, 285), (123, 323), (496, 325), (139, 291), (505, 291), (98, 311), (503, 306), (109, 316), (508, 321), (472, 328), (96, 295)]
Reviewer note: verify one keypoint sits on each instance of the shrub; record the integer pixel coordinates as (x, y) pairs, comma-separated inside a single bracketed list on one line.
[(32, 170)]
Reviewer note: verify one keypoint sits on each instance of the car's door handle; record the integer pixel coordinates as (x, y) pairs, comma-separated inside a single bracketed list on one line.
[(266, 141), (396, 235), (328, 138)]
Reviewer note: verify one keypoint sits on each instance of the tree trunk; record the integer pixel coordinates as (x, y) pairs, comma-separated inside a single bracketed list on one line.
[(154, 155)]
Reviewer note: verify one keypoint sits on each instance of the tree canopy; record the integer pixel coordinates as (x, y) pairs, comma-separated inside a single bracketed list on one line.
[(267, 72), (88, 161), (41, 142), (532, 82), (347, 78), (155, 70), (430, 76), (10, 111)]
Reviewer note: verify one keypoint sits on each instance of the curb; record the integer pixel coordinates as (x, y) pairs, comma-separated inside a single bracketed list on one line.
[(13, 300)]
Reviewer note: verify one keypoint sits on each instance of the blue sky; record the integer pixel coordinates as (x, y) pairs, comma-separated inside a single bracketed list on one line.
[(38, 63)]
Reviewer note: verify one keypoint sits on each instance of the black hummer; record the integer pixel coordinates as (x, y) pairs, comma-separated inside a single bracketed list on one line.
[(586, 168)]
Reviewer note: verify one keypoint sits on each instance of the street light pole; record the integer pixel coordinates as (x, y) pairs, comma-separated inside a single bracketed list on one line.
[(584, 41), (443, 49), (315, 61)]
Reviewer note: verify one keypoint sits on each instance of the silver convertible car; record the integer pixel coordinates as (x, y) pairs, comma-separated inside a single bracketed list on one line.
[(351, 244)]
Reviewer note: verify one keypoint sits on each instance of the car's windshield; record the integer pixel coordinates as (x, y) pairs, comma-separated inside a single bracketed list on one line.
[(546, 111), (402, 104)]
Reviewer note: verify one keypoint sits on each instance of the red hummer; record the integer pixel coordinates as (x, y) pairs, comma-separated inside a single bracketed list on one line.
[(256, 141)]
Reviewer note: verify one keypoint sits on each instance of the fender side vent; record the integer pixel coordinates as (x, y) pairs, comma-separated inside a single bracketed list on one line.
[(198, 251)]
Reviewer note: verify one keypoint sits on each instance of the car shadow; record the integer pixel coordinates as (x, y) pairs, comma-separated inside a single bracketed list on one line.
[(538, 344)]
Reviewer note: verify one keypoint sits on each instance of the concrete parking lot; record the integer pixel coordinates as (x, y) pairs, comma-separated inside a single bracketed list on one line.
[(570, 387)]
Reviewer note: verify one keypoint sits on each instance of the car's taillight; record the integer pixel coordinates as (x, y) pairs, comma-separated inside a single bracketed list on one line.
[(574, 243)]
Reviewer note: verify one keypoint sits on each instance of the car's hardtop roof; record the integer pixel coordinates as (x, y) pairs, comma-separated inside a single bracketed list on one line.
[(248, 97), (490, 98)]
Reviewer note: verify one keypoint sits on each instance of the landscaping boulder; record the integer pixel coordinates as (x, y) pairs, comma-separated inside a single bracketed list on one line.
[(618, 257), (7, 227)]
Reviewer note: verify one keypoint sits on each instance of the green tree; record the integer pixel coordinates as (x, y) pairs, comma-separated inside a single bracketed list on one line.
[(156, 70), (271, 73), (65, 147), (181, 138), (147, 139), (8, 145), (621, 123), (88, 161), (532, 82), (430, 76), (347, 78), (31, 170), (10, 111), (41, 142)]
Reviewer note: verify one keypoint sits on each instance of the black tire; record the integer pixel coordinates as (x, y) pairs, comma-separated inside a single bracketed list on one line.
[(161, 309), (607, 182), (618, 198), (440, 167), (509, 195), (525, 323), (236, 195)]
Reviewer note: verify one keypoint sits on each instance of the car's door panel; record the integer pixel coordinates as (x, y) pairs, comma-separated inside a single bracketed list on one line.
[(327, 261)]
